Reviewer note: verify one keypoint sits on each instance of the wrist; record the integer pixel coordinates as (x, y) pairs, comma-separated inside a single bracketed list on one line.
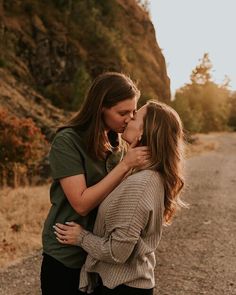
[(81, 236), (125, 166)]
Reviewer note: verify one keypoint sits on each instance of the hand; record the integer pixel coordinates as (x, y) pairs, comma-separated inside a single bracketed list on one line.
[(68, 233), (137, 157)]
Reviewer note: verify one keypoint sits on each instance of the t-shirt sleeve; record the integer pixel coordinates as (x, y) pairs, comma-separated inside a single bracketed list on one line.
[(65, 158)]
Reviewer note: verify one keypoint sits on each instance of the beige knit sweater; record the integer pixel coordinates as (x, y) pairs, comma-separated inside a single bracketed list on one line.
[(126, 233)]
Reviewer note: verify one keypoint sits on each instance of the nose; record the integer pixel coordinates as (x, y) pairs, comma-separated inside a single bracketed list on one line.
[(129, 117)]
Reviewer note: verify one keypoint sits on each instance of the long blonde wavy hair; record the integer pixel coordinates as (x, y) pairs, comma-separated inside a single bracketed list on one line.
[(163, 134)]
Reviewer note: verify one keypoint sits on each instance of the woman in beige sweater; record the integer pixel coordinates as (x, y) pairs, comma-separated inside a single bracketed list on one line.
[(129, 222)]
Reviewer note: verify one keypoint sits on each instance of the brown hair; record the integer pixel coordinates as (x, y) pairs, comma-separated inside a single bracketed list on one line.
[(163, 134), (107, 90)]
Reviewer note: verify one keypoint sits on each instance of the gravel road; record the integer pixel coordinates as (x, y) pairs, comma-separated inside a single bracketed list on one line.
[(197, 253)]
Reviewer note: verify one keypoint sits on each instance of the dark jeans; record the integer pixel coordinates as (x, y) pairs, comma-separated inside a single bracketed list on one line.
[(123, 290), (57, 279)]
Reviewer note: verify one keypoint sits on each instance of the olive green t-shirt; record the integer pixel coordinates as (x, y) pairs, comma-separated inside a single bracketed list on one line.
[(68, 156)]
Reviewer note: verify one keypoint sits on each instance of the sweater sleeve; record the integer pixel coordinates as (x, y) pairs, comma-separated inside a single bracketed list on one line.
[(117, 246), (133, 209)]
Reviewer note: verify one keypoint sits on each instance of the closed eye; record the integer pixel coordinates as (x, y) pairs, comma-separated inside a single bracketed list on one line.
[(123, 113), (127, 113)]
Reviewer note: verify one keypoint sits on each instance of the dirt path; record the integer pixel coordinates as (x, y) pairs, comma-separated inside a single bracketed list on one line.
[(197, 253)]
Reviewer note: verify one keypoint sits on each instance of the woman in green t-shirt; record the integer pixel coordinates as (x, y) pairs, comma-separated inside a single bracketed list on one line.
[(82, 153), (128, 227)]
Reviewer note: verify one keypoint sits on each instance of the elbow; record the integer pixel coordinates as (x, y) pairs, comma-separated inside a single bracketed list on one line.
[(120, 252), (81, 210), (84, 213)]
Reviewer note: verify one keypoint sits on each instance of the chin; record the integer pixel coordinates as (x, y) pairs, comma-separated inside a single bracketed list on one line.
[(123, 136), (121, 131), (125, 139)]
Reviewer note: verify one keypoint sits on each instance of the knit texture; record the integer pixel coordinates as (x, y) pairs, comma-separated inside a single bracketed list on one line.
[(126, 234)]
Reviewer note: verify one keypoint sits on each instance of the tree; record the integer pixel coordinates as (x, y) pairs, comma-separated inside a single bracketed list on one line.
[(201, 74), (185, 104), (203, 104)]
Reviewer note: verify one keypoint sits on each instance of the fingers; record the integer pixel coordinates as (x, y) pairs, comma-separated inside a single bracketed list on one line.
[(143, 158), (143, 162), (67, 233), (61, 235), (61, 228), (71, 223), (143, 155), (61, 241), (137, 157), (142, 148), (64, 241)]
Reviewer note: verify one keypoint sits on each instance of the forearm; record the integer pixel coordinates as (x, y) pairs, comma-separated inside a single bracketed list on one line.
[(108, 249), (92, 196), (83, 199)]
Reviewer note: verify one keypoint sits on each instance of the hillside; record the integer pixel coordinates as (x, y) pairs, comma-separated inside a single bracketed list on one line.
[(51, 50)]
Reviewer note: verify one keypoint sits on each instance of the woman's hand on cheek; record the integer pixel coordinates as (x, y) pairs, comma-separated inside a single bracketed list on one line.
[(67, 233)]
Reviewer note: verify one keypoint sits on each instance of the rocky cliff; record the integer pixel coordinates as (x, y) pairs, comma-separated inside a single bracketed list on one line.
[(51, 50)]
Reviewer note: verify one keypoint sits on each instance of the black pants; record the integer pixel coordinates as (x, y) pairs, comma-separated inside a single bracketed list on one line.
[(123, 290), (57, 279)]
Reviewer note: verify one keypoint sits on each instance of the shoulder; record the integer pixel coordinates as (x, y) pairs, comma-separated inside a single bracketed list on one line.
[(67, 142), (146, 182), (67, 136), (67, 133), (137, 193), (144, 177)]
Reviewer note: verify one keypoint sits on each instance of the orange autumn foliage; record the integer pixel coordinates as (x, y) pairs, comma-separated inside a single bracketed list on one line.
[(21, 141)]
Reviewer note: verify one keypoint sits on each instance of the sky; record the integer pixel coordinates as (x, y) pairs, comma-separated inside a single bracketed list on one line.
[(186, 29)]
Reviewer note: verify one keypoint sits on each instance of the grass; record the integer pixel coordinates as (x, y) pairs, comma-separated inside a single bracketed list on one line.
[(22, 213)]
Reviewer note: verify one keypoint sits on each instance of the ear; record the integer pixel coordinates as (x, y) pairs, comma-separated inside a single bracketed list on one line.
[(140, 137)]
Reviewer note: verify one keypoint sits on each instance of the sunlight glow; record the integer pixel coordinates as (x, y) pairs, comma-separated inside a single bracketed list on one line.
[(186, 29)]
